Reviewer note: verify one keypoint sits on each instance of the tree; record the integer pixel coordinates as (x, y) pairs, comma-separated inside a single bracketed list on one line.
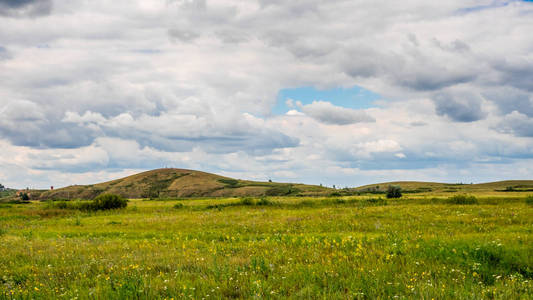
[(24, 197), (394, 191), (2, 187), (109, 201)]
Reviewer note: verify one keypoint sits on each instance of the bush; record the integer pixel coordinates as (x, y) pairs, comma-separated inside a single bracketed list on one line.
[(102, 202), (463, 199), (264, 202), (108, 201), (17, 201), (178, 205), (394, 191), (61, 205), (529, 200), (231, 183), (306, 203), (24, 197), (339, 201), (282, 190), (247, 201)]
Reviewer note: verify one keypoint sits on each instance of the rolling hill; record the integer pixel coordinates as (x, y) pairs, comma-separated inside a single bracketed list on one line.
[(177, 183), (434, 188), (7, 192), (182, 183)]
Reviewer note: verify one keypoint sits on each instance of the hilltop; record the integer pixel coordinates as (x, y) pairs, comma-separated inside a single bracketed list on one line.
[(177, 183)]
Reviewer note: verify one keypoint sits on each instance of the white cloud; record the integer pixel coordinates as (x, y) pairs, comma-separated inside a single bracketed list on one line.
[(328, 113), (192, 83)]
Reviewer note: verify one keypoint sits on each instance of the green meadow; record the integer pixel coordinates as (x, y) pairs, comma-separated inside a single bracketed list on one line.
[(353, 247)]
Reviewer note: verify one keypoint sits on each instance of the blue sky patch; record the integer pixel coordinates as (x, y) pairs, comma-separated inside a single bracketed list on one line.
[(493, 5), (354, 97)]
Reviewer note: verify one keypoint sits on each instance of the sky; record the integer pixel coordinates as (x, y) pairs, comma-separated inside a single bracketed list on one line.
[(333, 92)]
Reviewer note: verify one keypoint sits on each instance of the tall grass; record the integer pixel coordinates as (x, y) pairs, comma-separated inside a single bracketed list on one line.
[(463, 199), (292, 247)]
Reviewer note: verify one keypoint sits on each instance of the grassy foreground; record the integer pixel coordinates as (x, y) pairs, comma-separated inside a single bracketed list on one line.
[(352, 247)]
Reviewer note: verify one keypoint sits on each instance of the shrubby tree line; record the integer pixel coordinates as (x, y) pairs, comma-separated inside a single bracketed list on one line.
[(394, 191), (102, 202)]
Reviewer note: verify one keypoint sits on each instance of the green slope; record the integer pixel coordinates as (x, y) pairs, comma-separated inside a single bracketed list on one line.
[(172, 183)]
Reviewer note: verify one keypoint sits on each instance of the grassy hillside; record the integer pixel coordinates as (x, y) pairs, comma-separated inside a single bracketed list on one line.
[(181, 183), (7, 193), (178, 183), (499, 188)]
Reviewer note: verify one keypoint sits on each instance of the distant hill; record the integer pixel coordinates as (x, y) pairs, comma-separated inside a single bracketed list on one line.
[(6, 192), (182, 183), (415, 187), (176, 183)]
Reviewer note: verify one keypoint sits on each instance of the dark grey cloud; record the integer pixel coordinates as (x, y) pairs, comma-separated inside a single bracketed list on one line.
[(259, 142), (364, 62), (517, 72), (516, 123), (294, 8), (26, 123), (4, 53), (16, 3), (25, 8), (461, 106), (509, 99), (212, 136), (182, 35), (418, 124), (413, 70), (433, 79)]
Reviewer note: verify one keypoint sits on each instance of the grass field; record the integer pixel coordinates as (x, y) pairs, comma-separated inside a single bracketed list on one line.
[(293, 247)]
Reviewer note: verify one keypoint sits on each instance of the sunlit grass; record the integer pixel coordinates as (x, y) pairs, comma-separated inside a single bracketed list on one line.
[(350, 247)]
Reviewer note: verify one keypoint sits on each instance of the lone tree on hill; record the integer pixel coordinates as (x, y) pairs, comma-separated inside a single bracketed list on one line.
[(394, 191)]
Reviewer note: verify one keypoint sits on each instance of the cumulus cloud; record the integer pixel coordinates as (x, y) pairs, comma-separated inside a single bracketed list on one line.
[(328, 113), (25, 8), (25, 123), (460, 106), (182, 132), (516, 72), (509, 99), (517, 123), (193, 83)]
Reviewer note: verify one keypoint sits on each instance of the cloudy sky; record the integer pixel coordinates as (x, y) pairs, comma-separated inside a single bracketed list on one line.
[(343, 92)]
